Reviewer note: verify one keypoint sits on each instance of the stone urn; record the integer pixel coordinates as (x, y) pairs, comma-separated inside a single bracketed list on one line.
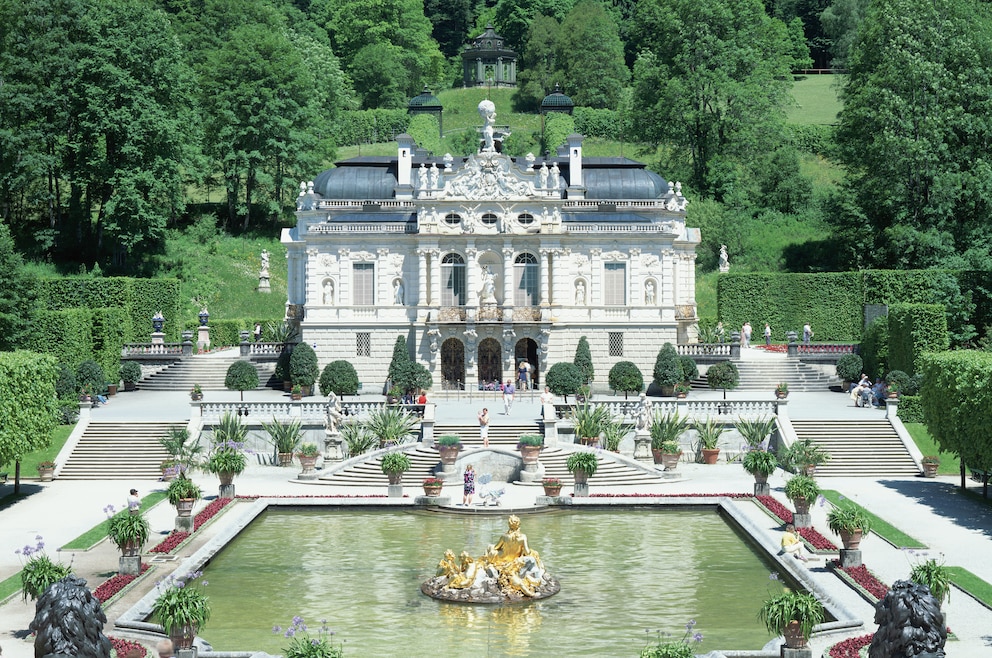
[(530, 454), (449, 454), (182, 636), (580, 476), (432, 490), (851, 540), (552, 490), (801, 505), (309, 463), (226, 478), (395, 477), (794, 638)]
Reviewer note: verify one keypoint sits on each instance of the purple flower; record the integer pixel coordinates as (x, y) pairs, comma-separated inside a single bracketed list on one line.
[(773, 575), (697, 637), (277, 629)]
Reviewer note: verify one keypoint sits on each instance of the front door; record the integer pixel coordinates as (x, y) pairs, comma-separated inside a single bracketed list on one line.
[(453, 364), (490, 361)]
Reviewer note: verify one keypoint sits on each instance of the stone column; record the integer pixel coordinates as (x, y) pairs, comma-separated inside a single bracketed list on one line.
[(666, 287), (422, 277), (471, 276), (507, 276), (343, 294), (435, 287), (545, 265), (595, 292), (642, 446), (383, 283), (636, 287)]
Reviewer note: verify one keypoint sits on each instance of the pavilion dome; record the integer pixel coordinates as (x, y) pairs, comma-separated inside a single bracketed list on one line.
[(556, 101), (425, 100)]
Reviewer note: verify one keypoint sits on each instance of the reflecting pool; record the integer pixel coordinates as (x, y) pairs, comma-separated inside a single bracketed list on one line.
[(622, 572)]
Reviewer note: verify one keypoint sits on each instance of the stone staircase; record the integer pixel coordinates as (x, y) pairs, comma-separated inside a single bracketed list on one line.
[(209, 372), (765, 375), (118, 451), (868, 448), (505, 436)]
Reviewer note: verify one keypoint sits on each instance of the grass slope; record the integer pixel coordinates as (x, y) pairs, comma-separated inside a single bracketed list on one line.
[(817, 99), (950, 463), (879, 526)]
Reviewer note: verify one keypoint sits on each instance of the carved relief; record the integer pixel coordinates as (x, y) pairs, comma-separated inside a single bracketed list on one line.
[(327, 261), (488, 176)]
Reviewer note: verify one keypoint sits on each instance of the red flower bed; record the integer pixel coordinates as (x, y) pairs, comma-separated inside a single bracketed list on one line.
[(171, 542), (682, 495), (776, 508), (209, 512), (816, 540), (115, 584), (849, 648), (123, 646), (772, 348), (864, 578), (812, 536), (256, 497)]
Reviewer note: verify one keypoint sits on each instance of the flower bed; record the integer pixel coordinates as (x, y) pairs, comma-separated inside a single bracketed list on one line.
[(849, 648), (780, 349), (256, 496), (864, 581), (115, 585), (177, 538), (122, 647), (812, 537), (171, 543), (681, 495)]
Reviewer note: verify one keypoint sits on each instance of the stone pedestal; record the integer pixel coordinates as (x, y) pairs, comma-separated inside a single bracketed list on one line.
[(395, 490), (184, 523), (642, 446), (186, 653), (581, 489), (532, 472), (788, 652), (158, 338), (432, 500), (263, 284), (226, 491), (129, 565), (203, 338), (802, 520), (850, 557), (312, 475), (548, 500), (762, 489), (333, 447)]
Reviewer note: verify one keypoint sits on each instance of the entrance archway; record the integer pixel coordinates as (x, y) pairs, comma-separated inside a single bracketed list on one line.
[(526, 350), (452, 365), (490, 361)]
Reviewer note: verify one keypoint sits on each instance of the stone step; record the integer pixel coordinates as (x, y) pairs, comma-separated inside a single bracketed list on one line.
[(208, 373), (118, 451), (868, 448)]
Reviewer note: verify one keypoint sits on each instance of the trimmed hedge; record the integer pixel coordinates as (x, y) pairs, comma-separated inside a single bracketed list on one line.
[(66, 334), (913, 330), (369, 126), (957, 403), (590, 122), (28, 406), (911, 409)]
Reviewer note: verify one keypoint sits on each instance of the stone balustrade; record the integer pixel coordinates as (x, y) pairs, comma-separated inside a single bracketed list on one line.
[(693, 409)]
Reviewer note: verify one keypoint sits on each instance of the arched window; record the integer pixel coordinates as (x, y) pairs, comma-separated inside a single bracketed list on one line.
[(452, 280), (525, 281)]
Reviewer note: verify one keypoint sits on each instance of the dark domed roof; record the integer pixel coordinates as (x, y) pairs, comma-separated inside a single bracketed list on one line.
[(358, 178), (425, 99), (620, 178), (557, 102)]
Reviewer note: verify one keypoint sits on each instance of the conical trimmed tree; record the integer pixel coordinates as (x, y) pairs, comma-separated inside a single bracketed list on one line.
[(583, 360)]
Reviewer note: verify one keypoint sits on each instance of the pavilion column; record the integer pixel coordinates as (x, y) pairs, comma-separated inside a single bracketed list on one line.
[(499, 70)]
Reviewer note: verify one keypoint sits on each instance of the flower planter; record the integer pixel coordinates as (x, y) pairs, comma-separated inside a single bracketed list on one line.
[(760, 478), (801, 505), (781, 395), (930, 469), (710, 455), (681, 396), (851, 540), (395, 478), (810, 470), (590, 441), (185, 506), (285, 459), (296, 396), (131, 549), (46, 474), (308, 463), (581, 477), (130, 386), (432, 492), (794, 638), (196, 397), (226, 478), (530, 454), (552, 491), (182, 636), (111, 389), (449, 454)]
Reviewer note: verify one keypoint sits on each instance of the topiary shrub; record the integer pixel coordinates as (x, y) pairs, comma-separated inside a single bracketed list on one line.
[(401, 357), (564, 379), (130, 372), (66, 387), (241, 376), (281, 372), (850, 367), (583, 360), (90, 376), (626, 376), (690, 370), (340, 377), (415, 377), (303, 366), (667, 366), (723, 375)]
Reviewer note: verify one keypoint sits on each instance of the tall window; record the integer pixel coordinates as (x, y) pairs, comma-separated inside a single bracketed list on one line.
[(615, 284), (363, 343), (525, 281), (363, 284), (453, 280)]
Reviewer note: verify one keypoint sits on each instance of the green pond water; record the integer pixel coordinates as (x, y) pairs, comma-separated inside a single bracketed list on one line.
[(622, 573)]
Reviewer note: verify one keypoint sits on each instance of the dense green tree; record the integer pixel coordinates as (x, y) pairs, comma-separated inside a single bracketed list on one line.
[(723, 375), (957, 396), (451, 20), (26, 421), (425, 132), (564, 378), (915, 132), (380, 77), (513, 17), (241, 376), (303, 366), (17, 295), (667, 367), (625, 376), (590, 56), (840, 21), (340, 377), (583, 360), (538, 72), (713, 80)]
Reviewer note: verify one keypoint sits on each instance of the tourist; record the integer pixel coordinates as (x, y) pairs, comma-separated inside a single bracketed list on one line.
[(469, 489), (258, 332), (508, 391), (422, 398), (807, 333), (746, 335), (522, 374), (792, 544), (768, 335), (133, 502), (165, 649), (484, 426)]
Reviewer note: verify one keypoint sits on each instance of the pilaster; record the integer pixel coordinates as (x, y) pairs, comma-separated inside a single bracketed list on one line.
[(344, 277), (507, 276), (435, 283), (471, 275), (596, 280)]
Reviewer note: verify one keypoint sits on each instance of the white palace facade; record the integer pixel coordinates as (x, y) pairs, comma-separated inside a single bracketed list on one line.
[(485, 261)]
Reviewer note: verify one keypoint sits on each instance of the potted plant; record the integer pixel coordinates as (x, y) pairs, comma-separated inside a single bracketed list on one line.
[(284, 437), (782, 390), (552, 486), (613, 433), (755, 431), (530, 447), (760, 464), (303, 367), (449, 445), (183, 494), (936, 577), (850, 522), (46, 470), (849, 368), (196, 393), (802, 490), (306, 645), (582, 465), (296, 393), (394, 465), (308, 457), (182, 454), (930, 465), (182, 608), (39, 572), (793, 615), (130, 372), (391, 425), (226, 457), (665, 432), (804, 456), (169, 468), (433, 486), (589, 421), (394, 394), (895, 383), (583, 394), (708, 434), (668, 369), (129, 532), (682, 390)]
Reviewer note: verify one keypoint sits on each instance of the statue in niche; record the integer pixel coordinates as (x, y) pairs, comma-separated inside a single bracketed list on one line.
[(328, 292), (488, 295), (580, 293), (422, 176), (487, 110), (398, 292), (649, 292)]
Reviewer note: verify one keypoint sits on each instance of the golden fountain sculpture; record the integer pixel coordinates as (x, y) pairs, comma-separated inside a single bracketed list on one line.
[(509, 572)]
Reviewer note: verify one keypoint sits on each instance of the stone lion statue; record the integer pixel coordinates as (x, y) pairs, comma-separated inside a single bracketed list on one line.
[(69, 622), (910, 623)]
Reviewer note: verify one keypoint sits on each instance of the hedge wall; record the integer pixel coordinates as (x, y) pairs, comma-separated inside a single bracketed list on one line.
[(140, 299), (913, 330), (957, 403), (27, 403), (66, 334), (591, 122), (911, 409), (370, 126), (830, 302)]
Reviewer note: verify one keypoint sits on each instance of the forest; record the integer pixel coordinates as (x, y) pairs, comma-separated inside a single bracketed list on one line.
[(123, 120)]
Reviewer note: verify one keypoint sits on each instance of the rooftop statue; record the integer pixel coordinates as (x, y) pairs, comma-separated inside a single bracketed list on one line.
[(510, 571)]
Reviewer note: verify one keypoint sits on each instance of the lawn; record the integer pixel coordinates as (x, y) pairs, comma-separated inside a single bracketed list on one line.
[(817, 99), (950, 464), (96, 534), (29, 464), (879, 526)]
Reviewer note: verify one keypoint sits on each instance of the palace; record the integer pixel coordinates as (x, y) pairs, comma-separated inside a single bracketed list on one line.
[(486, 261)]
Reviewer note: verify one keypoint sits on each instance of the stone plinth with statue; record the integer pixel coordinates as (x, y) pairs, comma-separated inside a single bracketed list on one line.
[(333, 443)]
